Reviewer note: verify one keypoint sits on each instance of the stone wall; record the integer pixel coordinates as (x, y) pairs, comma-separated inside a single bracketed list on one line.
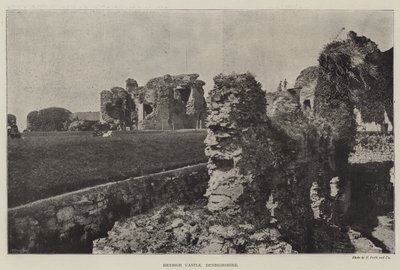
[(173, 102), (117, 108), (164, 103), (70, 222), (373, 147), (236, 113)]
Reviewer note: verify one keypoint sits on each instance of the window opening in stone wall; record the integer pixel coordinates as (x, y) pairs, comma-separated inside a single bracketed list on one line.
[(223, 164), (147, 109), (184, 93), (307, 104)]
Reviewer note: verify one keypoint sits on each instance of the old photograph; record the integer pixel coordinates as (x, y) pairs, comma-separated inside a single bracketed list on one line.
[(200, 131)]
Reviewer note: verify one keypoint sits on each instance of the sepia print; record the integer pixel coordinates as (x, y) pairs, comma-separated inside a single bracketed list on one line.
[(200, 131)]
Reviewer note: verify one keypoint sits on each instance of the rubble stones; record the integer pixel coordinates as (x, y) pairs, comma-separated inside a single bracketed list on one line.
[(65, 214), (198, 232), (384, 232), (177, 223), (362, 244)]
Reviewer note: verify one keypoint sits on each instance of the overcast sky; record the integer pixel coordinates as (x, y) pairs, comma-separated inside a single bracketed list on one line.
[(64, 59)]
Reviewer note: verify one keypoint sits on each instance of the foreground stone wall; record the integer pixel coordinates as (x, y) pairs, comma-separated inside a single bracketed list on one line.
[(70, 222)]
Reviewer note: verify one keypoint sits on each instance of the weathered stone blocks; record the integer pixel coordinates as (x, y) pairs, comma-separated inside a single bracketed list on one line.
[(164, 103), (236, 108), (70, 222), (117, 108)]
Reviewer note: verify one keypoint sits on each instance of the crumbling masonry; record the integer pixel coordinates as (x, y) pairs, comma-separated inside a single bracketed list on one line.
[(269, 189), (117, 108), (164, 103)]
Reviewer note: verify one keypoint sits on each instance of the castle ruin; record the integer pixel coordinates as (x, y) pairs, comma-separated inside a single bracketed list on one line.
[(164, 103)]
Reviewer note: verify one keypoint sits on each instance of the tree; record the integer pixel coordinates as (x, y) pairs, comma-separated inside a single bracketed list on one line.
[(363, 73), (49, 119), (11, 119)]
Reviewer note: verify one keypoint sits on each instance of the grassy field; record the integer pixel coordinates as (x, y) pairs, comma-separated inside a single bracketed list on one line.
[(46, 164)]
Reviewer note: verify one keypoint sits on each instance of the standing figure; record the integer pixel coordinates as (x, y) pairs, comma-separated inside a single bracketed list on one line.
[(279, 87), (285, 84)]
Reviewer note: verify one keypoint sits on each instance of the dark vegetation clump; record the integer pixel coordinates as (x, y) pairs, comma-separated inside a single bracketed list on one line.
[(49, 119), (337, 108), (11, 119), (353, 73), (361, 74)]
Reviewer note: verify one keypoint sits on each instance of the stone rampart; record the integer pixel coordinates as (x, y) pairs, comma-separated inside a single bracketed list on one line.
[(69, 223)]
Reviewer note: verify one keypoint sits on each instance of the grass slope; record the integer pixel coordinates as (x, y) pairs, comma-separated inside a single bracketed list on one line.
[(44, 165)]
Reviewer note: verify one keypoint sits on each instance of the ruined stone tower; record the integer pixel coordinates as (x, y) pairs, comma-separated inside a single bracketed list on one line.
[(164, 103), (170, 102)]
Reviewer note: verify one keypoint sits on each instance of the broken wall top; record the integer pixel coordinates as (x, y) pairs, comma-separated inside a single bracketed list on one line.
[(182, 80), (242, 97), (164, 85)]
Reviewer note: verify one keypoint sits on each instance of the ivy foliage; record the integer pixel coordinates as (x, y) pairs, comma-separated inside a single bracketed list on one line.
[(362, 74)]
